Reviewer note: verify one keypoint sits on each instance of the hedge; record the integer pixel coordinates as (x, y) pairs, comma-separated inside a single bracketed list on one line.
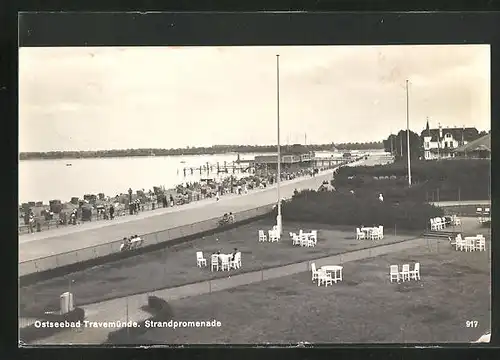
[(336, 208), (446, 180), (32, 333)]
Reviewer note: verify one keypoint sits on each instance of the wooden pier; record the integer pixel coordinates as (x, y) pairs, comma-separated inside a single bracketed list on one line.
[(218, 168)]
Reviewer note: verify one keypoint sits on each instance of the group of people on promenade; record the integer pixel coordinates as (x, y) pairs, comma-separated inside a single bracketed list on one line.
[(108, 208)]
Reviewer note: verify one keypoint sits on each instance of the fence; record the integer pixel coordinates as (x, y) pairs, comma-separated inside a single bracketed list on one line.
[(165, 236)]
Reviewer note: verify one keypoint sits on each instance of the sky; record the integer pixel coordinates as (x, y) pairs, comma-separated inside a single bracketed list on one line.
[(84, 98)]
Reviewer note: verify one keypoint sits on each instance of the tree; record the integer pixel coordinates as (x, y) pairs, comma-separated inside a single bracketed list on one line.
[(397, 145)]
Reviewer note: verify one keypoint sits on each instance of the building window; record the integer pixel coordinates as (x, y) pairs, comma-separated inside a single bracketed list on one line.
[(427, 145), (446, 144), (448, 135)]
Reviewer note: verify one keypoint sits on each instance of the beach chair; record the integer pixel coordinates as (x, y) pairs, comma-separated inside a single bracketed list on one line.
[(405, 272), (200, 260), (360, 235), (324, 278), (262, 236), (214, 262), (314, 272), (415, 273), (394, 273)]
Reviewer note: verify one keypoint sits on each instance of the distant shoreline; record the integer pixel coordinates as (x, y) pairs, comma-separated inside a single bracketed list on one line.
[(214, 150)]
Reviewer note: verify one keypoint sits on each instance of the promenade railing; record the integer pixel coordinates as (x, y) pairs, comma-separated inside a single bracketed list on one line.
[(97, 251)]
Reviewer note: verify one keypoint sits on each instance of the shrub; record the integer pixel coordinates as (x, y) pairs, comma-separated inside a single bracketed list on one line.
[(464, 179), (347, 209)]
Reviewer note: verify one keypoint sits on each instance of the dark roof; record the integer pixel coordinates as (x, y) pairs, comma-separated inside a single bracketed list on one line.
[(483, 143), (470, 133)]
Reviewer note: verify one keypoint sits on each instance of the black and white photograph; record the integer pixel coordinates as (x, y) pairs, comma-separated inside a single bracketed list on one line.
[(254, 195)]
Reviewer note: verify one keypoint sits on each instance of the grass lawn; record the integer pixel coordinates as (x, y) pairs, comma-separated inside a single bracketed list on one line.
[(176, 265), (366, 307)]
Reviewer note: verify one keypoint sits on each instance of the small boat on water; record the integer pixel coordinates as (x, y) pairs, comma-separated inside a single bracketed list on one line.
[(69, 164)]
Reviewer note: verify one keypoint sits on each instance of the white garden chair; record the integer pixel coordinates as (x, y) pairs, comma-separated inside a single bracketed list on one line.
[(381, 231), (324, 278), (225, 263), (470, 243), (214, 262), (360, 235), (439, 223), (394, 273), (455, 220), (460, 244), (479, 211), (295, 239), (480, 244), (314, 236), (374, 234), (236, 263), (405, 272), (314, 271), (487, 211), (262, 236), (434, 226), (273, 235), (415, 273), (200, 260)]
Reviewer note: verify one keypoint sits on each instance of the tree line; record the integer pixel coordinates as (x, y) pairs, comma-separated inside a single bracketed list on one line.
[(212, 150)]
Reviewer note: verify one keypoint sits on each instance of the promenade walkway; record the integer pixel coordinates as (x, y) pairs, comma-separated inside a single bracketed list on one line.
[(61, 240), (129, 309)]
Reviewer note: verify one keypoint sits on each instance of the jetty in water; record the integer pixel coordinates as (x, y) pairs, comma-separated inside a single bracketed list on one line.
[(267, 163)]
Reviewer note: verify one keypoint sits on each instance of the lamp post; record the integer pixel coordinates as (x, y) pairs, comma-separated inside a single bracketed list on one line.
[(408, 133), (278, 217)]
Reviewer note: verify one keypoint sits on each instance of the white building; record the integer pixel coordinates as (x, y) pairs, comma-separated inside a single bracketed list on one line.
[(439, 143)]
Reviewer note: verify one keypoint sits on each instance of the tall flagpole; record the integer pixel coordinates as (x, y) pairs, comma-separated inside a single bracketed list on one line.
[(408, 133), (278, 218)]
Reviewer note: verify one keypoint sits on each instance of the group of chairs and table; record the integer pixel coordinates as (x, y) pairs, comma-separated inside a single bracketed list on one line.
[(469, 243), (326, 275), (484, 215), (440, 223), (405, 274), (370, 233), (273, 235), (306, 239), (220, 262)]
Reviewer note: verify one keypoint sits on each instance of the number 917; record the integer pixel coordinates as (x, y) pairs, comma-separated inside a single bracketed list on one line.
[(471, 323)]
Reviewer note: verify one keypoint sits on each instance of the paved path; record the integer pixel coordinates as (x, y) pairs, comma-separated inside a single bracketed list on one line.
[(129, 309), (459, 203), (57, 241)]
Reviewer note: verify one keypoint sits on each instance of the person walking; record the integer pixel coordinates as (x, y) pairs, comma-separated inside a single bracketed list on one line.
[(111, 212)]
